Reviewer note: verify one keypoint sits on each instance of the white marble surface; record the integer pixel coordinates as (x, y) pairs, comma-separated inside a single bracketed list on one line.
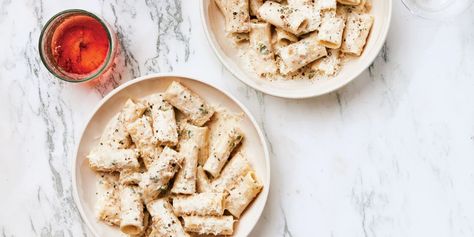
[(391, 154)]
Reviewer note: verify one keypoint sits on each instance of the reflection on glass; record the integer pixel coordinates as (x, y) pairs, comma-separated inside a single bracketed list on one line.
[(437, 9)]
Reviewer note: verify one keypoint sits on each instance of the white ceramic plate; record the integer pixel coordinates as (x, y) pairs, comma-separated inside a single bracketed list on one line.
[(84, 180), (213, 22)]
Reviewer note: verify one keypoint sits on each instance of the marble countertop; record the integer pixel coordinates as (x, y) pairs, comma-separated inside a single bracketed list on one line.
[(391, 154)]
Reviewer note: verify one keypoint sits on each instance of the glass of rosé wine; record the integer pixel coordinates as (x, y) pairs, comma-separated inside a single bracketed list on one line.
[(77, 46)]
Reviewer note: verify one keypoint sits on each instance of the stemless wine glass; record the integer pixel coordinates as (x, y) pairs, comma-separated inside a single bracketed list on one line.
[(64, 20), (437, 9)]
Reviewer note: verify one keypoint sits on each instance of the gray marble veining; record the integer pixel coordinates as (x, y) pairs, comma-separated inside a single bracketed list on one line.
[(388, 155)]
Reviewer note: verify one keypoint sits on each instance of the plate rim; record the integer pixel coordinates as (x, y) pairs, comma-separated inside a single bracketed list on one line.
[(218, 52), (192, 77)]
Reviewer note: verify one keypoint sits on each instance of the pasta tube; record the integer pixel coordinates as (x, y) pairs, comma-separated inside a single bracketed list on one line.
[(344, 10), (236, 14), (164, 121), (131, 111), (146, 224), (237, 166), (311, 11), (328, 65), (326, 5), (299, 54), (165, 223), (131, 210), (202, 182), (185, 181), (240, 196), (262, 49), (299, 2), (107, 159), (223, 136), (156, 179), (210, 225), (238, 38), (189, 103), (285, 36), (115, 134), (349, 2), (357, 30), (330, 32), (107, 207), (130, 177), (142, 135), (198, 135), (367, 5), (282, 38), (283, 16), (154, 155), (254, 6), (202, 204), (220, 151)]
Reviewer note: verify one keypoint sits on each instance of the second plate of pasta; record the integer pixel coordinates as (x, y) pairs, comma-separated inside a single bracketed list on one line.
[(168, 155), (296, 48)]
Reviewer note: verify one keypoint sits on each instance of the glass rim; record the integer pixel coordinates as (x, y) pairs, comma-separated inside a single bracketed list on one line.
[(458, 7), (106, 62)]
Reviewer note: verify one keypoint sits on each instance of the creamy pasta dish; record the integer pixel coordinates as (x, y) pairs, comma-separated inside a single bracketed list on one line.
[(292, 39), (170, 164)]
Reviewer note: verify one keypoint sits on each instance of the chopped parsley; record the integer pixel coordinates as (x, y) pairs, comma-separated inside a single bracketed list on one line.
[(262, 49), (203, 110)]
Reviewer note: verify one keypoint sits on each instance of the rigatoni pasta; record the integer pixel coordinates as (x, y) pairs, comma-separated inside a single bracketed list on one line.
[(107, 206), (327, 5), (130, 177), (238, 38), (297, 3), (185, 180), (198, 135), (209, 225), (154, 154), (156, 179), (330, 32), (201, 204), (283, 16), (107, 159), (165, 129), (312, 13), (284, 36), (146, 224), (149, 155), (229, 138), (165, 223), (356, 33), (349, 2), (236, 14), (254, 5), (299, 54), (202, 181), (189, 103), (236, 167), (302, 31), (262, 49), (115, 134), (131, 111), (131, 210), (328, 65), (224, 136), (240, 196), (141, 133)]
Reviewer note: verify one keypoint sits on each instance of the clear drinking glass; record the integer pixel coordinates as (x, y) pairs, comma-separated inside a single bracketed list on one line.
[(46, 50), (437, 9)]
